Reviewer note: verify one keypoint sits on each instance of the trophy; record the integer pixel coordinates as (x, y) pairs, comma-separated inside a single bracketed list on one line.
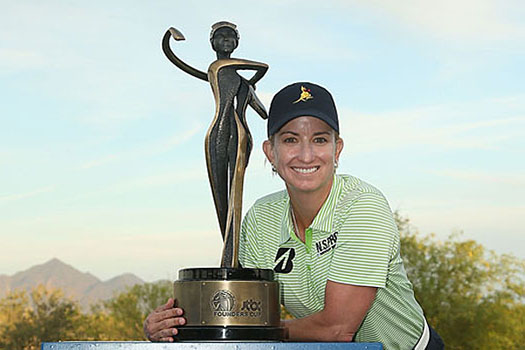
[(227, 302)]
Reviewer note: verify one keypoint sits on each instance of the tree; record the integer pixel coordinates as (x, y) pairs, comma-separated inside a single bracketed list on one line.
[(44, 315), (471, 296), (122, 317)]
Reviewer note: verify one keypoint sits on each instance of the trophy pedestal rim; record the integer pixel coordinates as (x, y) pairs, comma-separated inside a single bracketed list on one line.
[(225, 273), (231, 333)]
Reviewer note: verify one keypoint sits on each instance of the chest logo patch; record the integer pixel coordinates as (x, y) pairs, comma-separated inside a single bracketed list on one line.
[(327, 244), (284, 260)]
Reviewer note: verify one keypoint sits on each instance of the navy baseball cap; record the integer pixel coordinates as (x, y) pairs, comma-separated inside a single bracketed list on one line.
[(302, 99)]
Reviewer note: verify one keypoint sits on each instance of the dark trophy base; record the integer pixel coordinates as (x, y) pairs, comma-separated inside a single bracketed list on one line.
[(227, 304)]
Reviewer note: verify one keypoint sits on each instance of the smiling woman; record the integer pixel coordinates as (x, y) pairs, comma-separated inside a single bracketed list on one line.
[(330, 239)]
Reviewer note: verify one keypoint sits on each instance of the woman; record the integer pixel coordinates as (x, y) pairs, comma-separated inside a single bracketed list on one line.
[(331, 239)]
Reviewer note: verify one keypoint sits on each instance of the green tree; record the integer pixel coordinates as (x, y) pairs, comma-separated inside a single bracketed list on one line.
[(122, 317), (43, 315), (473, 297)]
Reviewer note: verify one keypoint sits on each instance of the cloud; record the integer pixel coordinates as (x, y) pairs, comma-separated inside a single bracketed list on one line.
[(145, 151), (167, 179), (25, 195), (478, 20), (173, 141), (99, 162), (516, 180), (483, 124), (14, 59)]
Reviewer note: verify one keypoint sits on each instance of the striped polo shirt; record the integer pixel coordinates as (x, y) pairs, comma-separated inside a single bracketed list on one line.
[(352, 240)]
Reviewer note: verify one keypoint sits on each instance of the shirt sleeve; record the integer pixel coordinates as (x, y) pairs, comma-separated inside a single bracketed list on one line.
[(366, 243), (247, 253)]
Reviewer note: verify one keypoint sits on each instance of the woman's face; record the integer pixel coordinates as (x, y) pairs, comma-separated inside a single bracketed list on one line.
[(304, 152), (224, 40)]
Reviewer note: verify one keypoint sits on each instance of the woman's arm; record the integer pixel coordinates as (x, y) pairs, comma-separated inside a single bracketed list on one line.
[(345, 308)]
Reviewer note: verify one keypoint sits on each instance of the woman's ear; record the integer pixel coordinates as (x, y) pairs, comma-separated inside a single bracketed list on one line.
[(339, 144), (268, 151)]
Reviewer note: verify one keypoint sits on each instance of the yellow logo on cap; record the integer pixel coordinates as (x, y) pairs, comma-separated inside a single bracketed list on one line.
[(305, 95)]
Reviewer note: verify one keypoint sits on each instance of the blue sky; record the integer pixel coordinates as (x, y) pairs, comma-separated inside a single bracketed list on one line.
[(101, 145)]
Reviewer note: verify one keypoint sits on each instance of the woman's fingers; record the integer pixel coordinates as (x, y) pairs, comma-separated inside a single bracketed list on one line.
[(161, 324), (169, 304), (165, 335), (167, 324), (162, 320)]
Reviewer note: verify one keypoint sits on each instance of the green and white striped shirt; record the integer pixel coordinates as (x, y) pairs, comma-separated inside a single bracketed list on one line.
[(352, 240)]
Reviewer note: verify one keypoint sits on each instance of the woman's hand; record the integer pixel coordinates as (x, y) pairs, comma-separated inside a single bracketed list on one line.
[(160, 325)]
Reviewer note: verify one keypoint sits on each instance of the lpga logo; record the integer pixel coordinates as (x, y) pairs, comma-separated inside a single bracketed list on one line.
[(223, 301)]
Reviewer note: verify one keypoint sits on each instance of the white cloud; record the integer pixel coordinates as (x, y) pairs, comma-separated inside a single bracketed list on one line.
[(99, 162), (25, 195), (479, 20), (472, 125), (167, 179), (144, 151), (488, 178), (15, 59), (173, 141)]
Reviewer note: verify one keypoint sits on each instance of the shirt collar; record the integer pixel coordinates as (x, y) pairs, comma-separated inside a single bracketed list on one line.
[(287, 225), (324, 218)]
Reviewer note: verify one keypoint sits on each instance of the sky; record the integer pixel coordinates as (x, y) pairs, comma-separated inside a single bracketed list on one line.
[(102, 138)]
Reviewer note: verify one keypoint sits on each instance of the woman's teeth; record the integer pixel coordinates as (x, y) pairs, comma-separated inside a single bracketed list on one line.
[(306, 170)]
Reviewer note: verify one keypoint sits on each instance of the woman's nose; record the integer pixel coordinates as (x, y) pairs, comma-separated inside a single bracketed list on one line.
[(306, 153)]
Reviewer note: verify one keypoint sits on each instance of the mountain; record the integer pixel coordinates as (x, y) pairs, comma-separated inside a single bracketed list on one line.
[(82, 286)]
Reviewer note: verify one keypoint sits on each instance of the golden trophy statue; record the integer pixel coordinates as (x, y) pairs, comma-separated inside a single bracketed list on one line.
[(227, 302)]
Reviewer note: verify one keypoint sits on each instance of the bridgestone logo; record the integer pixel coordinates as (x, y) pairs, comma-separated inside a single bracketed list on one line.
[(284, 260)]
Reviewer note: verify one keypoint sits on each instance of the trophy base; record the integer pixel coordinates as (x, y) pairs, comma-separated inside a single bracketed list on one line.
[(230, 333), (228, 304)]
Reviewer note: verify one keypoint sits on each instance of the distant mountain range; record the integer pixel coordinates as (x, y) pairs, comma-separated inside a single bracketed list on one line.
[(81, 286)]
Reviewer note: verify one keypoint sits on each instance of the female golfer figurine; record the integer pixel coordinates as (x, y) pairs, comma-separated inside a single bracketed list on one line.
[(228, 142)]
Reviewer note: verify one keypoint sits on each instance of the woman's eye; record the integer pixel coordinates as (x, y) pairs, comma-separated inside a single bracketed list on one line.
[(320, 140), (289, 140)]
